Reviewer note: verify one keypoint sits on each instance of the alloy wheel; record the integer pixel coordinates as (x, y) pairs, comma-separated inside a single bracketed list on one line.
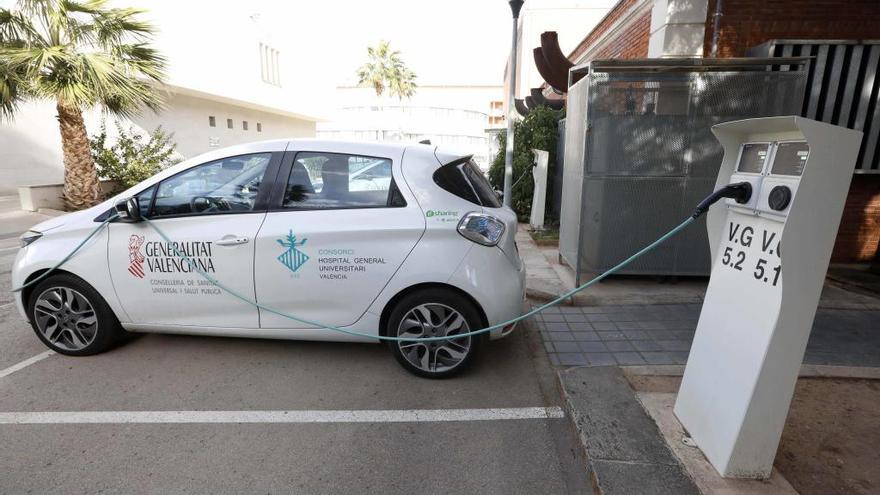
[(434, 320), (66, 318)]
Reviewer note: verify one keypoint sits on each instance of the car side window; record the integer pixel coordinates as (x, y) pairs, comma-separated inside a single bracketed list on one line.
[(223, 186), (334, 180)]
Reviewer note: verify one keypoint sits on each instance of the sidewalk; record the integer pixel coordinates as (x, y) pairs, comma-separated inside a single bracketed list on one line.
[(637, 321)]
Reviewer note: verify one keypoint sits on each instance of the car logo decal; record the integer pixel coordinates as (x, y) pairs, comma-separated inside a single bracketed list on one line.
[(135, 258), (293, 258)]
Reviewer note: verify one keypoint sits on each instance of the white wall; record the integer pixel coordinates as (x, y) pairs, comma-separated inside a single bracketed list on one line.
[(30, 146)]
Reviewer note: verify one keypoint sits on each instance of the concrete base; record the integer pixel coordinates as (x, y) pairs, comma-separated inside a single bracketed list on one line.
[(659, 407), (48, 196)]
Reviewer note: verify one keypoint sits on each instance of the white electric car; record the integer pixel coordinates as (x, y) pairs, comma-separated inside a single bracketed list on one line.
[(379, 239)]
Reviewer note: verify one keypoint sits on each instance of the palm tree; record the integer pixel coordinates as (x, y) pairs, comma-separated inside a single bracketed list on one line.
[(81, 55), (385, 69)]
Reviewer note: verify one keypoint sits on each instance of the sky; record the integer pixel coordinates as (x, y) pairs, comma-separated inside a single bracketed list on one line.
[(442, 41)]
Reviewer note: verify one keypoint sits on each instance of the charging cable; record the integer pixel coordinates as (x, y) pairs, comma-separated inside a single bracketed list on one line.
[(741, 192)]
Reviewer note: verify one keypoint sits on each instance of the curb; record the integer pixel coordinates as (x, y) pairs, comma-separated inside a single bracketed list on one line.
[(807, 371)]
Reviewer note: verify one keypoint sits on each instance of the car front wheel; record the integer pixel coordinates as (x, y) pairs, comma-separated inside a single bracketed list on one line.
[(434, 313), (71, 318)]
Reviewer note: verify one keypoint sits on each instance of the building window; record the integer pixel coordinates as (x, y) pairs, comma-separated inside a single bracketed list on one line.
[(244, 125), (229, 123), (259, 127), (212, 121), (269, 65)]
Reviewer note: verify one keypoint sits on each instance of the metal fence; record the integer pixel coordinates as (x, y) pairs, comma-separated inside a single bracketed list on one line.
[(646, 155), (842, 88)]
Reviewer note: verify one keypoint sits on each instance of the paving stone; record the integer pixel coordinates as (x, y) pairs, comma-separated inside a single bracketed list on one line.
[(561, 336), (619, 346), (617, 317), (572, 359), (569, 310), (566, 347), (636, 334), (611, 336), (593, 346), (679, 357), (675, 345), (548, 317), (554, 359), (646, 345), (658, 358), (549, 347), (579, 317), (628, 325), (604, 325), (628, 358), (580, 326), (600, 359), (597, 317), (557, 326), (586, 336), (651, 325)]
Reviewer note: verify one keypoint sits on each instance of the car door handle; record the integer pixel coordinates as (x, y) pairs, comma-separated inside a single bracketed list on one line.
[(232, 241)]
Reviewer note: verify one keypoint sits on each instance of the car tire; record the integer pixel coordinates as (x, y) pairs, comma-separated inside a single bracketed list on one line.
[(71, 318), (422, 313)]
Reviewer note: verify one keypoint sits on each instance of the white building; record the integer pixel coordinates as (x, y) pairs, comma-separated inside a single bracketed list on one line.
[(231, 78), (455, 116)]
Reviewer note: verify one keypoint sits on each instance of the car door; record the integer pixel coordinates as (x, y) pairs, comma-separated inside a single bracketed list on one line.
[(211, 213), (329, 245)]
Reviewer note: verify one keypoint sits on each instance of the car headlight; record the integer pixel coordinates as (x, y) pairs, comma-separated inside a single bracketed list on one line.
[(29, 237), (481, 228)]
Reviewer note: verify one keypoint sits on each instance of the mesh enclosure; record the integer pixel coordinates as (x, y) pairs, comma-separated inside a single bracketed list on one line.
[(648, 155)]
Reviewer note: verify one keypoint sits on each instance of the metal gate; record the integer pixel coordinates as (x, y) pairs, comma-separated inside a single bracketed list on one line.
[(647, 155)]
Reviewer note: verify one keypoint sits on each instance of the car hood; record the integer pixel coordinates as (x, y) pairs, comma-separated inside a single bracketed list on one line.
[(74, 218)]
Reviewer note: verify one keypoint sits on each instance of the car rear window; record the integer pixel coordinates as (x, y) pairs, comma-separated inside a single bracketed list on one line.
[(464, 179)]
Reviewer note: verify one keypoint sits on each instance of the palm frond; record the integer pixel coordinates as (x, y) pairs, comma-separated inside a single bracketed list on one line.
[(81, 53)]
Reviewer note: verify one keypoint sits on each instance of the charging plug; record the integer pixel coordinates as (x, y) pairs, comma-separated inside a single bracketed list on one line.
[(739, 192)]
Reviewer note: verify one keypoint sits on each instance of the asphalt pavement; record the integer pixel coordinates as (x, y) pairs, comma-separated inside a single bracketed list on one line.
[(479, 451)]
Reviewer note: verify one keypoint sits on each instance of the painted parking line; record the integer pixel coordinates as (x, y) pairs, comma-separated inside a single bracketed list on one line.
[(339, 416), (24, 364)]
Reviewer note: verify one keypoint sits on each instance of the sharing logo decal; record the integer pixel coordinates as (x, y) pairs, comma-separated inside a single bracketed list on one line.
[(293, 258), (135, 258)]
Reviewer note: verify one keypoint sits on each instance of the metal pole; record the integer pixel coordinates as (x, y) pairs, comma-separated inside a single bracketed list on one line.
[(511, 111)]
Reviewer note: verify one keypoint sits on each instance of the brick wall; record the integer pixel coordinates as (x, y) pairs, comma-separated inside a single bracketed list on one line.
[(631, 42), (859, 233), (747, 23)]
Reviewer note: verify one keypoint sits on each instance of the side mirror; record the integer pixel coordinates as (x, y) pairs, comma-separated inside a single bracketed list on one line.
[(500, 195), (128, 210)]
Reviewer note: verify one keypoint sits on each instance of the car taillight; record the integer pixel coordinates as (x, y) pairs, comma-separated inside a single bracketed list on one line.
[(481, 228)]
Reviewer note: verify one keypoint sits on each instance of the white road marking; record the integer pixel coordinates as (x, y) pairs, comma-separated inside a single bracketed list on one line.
[(7, 305), (364, 416), (24, 364)]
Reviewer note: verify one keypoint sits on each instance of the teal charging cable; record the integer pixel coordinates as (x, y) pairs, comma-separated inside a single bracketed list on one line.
[(69, 255), (481, 331), (534, 311)]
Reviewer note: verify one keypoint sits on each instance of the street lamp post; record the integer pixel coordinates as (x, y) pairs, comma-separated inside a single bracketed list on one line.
[(515, 7)]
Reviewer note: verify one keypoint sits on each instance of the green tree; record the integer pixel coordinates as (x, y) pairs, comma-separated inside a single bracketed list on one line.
[(385, 70), (134, 157), (81, 55), (538, 130)]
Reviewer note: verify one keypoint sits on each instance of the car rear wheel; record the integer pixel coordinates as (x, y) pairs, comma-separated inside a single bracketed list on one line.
[(71, 318), (434, 313)]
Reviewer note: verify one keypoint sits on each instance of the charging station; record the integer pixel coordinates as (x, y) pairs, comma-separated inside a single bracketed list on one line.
[(769, 259)]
